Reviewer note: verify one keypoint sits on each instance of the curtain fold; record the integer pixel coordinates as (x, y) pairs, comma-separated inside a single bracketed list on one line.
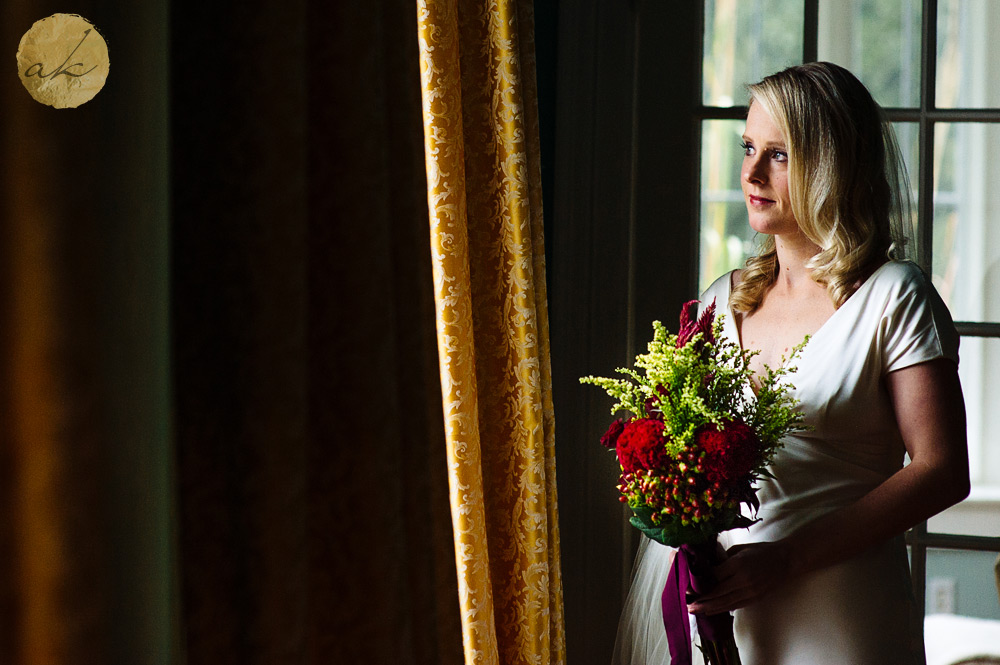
[(85, 555), (484, 198), (313, 510)]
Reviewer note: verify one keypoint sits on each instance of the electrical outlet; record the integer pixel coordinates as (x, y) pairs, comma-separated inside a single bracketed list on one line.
[(941, 595)]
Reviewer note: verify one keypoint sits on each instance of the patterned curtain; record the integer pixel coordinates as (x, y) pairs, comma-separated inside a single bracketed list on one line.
[(483, 184)]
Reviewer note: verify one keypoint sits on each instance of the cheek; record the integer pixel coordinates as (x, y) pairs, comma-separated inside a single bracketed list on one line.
[(781, 184)]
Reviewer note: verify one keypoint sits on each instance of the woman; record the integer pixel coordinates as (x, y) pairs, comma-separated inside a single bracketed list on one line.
[(823, 577)]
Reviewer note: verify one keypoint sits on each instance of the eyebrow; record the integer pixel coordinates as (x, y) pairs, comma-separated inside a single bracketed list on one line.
[(766, 145)]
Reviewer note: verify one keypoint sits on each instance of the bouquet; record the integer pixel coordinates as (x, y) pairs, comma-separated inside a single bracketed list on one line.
[(696, 439)]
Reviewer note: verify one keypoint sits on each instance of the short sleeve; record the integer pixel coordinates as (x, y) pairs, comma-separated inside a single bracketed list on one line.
[(917, 326), (718, 292)]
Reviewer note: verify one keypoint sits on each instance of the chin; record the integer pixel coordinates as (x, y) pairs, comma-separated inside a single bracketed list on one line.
[(768, 225), (764, 226)]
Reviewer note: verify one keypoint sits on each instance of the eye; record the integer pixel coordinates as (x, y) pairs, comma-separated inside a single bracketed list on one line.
[(747, 148), (779, 155)]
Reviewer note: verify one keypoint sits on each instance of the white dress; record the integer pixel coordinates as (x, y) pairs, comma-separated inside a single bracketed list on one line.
[(860, 611)]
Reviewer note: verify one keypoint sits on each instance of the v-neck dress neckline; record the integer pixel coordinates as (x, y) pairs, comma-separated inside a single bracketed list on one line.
[(737, 331)]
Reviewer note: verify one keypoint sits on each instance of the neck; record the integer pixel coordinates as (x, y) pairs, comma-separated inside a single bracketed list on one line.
[(794, 251)]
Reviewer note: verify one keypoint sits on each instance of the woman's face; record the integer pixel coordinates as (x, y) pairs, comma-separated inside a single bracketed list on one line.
[(764, 176)]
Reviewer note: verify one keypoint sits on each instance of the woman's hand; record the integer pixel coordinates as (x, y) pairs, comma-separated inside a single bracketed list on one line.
[(748, 572)]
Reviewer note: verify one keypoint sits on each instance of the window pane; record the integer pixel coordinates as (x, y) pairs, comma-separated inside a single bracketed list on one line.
[(979, 515), (908, 138), (966, 265), (967, 53), (963, 615), (726, 238), (979, 358), (878, 40), (744, 42)]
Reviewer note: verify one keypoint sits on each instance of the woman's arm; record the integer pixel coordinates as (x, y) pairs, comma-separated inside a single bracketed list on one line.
[(929, 408)]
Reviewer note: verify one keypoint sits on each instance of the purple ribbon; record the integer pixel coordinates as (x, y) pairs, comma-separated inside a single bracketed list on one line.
[(691, 570)]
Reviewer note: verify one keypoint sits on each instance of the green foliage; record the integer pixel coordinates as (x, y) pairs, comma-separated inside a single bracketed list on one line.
[(673, 534), (701, 382)]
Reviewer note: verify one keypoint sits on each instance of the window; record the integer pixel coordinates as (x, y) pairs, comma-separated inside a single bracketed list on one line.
[(935, 68)]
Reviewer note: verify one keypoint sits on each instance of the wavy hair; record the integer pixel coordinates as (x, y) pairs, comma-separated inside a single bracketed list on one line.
[(846, 180)]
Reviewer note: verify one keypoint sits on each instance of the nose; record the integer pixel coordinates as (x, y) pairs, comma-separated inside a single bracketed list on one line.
[(754, 169)]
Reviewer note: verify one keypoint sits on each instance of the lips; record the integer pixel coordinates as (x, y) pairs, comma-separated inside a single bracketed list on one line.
[(759, 200)]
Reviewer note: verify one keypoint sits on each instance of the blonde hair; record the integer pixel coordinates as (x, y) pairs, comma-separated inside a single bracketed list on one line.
[(846, 181)]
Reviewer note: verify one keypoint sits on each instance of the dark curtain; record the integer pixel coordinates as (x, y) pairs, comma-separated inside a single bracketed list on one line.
[(312, 488), (85, 461), (221, 436)]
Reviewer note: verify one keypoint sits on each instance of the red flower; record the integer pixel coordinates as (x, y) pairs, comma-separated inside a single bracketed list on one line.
[(652, 404), (610, 438), (641, 445), (691, 326), (729, 454)]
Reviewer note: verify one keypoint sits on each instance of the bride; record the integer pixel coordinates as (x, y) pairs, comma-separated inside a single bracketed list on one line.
[(823, 578)]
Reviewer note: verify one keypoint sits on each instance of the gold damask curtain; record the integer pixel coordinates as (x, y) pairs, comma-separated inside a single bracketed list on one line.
[(483, 184)]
